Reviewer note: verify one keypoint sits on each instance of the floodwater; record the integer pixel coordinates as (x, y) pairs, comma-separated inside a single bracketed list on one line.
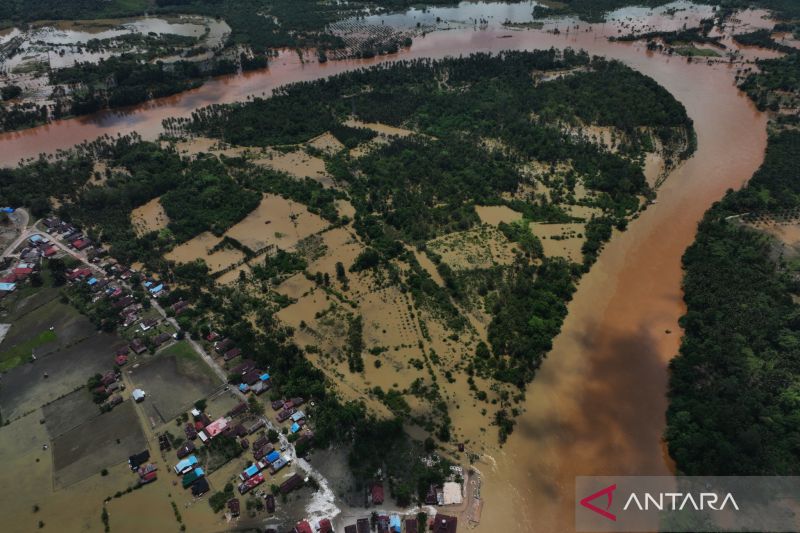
[(61, 44), (597, 405)]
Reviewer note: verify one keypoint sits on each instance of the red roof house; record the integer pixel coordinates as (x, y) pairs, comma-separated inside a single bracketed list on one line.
[(22, 273), (303, 527), (216, 427), (377, 493)]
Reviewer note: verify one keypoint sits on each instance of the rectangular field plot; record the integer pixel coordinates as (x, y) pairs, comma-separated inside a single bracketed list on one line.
[(173, 380), (69, 412), (103, 441)]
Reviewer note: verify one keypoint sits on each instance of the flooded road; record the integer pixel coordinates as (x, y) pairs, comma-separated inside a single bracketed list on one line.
[(597, 405)]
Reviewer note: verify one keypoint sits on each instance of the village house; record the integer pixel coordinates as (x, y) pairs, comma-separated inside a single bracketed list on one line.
[(293, 483), (238, 409), (136, 460), (241, 369), (284, 415), (260, 388), (303, 527), (148, 324), (223, 346), (213, 429), (137, 346), (233, 353), (123, 302), (186, 449), (444, 524), (200, 487), (251, 377), (376, 492), (81, 244), (51, 223), (233, 506), (161, 338), (255, 427)]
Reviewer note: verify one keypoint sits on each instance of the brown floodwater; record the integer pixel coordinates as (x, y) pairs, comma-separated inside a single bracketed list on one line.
[(597, 405)]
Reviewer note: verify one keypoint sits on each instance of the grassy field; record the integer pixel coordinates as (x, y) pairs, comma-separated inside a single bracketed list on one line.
[(25, 388), (182, 350), (173, 380), (22, 351)]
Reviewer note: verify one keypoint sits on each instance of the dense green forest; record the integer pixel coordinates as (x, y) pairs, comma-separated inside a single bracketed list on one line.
[(734, 388), (776, 85), (762, 38), (127, 80), (734, 385)]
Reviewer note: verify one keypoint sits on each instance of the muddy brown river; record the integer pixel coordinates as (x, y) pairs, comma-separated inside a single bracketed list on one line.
[(597, 405)]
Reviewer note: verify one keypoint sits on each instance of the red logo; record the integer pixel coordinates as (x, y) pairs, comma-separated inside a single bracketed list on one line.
[(608, 492)]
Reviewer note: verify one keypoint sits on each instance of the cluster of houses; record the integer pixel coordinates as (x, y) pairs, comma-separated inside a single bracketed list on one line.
[(155, 288), (192, 475), (288, 410), (324, 526), (395, 524), (447, 494), (29, 261), (109, 287), (110, 387), (139, 464), (224, 347), (252, 476), (72, 237)]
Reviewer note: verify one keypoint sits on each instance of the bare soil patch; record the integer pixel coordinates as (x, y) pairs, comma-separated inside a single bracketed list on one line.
[(149, 217), (495, 214), (276, 221), (480, 247), (561, 240), (200, 248), (297, 163)]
